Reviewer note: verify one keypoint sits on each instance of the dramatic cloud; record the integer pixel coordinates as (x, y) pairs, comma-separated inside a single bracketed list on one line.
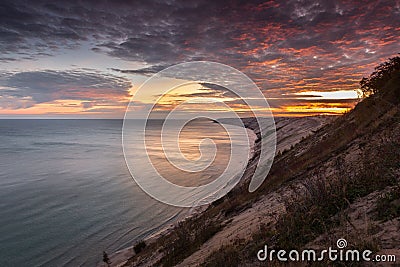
[(25, 89), (144, 71), (285, 46)]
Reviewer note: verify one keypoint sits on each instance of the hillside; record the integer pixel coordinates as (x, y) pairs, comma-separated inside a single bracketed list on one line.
[(340, 182)]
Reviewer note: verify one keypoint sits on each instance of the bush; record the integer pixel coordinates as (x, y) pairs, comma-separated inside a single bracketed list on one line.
[(187, 238), (388, 206), (382, 74), (139, 247)]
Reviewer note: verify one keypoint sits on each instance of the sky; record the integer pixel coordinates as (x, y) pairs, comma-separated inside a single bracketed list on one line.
[(86, 59)]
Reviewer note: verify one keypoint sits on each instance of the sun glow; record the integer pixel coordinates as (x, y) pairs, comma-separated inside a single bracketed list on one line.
[(339, 94)]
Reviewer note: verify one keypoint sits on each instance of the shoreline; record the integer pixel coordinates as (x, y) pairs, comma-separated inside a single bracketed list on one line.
[(120, 257)]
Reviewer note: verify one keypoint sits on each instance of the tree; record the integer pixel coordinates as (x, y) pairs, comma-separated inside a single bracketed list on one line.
[(106, 259), (383, 72)]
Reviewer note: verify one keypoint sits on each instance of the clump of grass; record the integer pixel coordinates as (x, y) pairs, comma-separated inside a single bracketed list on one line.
[(308, 218), (188, 237), (240, 250), (225, 256), (320, 211), (139, 246), (388, 205)]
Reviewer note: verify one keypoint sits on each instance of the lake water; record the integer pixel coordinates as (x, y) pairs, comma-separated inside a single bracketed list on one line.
[(66, 194)]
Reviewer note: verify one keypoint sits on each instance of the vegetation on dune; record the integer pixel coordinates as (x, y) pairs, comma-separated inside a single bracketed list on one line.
[(376, 82), (188, 237), (388, 206), (178, 244), (139, 246), (106, 260)]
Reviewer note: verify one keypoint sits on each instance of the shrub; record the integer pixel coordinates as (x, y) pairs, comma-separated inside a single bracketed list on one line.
[(382, 74), (388, 206), (139, 247)]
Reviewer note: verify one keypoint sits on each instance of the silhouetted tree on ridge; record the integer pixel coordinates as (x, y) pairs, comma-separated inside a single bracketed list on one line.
[(383, 72)]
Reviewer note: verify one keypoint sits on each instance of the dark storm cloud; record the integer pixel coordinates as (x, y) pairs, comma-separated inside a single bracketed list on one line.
[(278, 44), (214, 87), (29, 88), (175, 31)]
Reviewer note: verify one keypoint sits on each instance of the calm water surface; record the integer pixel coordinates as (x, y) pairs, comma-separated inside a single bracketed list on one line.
[(66, 194)]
